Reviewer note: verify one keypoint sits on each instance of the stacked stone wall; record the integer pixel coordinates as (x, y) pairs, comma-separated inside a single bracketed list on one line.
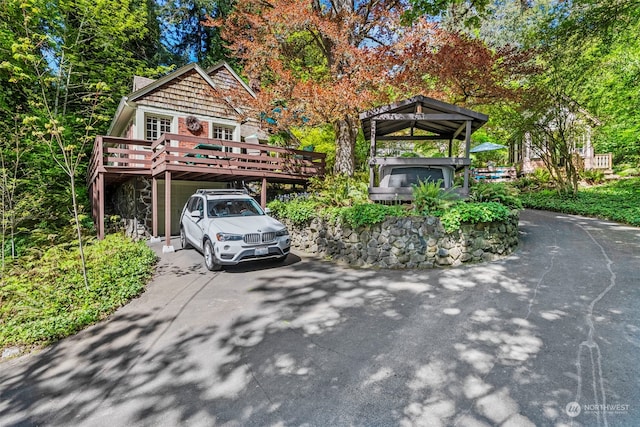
[(132, 203), (412, 242)]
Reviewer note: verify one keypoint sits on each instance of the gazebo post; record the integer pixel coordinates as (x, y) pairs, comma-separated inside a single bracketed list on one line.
[(467, 155), (372, 155)]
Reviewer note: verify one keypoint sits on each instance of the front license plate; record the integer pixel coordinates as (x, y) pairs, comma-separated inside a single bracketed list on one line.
[(261, 251)]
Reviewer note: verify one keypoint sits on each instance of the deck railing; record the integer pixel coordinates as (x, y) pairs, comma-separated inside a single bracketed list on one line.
[(111, 153), (602, 161), (191, 155), (172, 152)]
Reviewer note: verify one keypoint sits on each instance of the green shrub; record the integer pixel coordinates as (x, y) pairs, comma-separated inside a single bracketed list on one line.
[(298, 210), (429, 197), (472, 213), (630, 171), (339, 190), (542, 176), (617, 201), (539, 179), (592, 176), (349, 202), (44, 299), (370, 213), (496, 192)]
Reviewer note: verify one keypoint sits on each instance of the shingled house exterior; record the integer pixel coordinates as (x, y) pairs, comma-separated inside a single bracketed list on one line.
[(187, 130)]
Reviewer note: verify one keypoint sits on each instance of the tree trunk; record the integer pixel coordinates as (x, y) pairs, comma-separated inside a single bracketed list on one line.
[(76, 217), (346, 132)]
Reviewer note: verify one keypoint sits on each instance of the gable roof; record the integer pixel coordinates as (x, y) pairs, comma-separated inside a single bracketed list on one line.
[(223, 64), (143, 87), (424, 113)]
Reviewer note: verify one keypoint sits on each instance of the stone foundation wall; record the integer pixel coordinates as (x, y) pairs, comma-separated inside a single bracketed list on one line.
[(132, 202), (413, 242)]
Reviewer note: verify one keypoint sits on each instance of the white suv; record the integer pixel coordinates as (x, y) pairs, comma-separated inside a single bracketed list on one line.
[(229, 227)]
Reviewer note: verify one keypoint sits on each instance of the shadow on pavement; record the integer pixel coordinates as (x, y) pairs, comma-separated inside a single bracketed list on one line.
[(492, 344)]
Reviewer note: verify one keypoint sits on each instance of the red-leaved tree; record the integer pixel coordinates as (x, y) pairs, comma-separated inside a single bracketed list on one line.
[(317, 62)]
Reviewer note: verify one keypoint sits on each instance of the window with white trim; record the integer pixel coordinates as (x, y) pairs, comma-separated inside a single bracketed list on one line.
[(222, 132), (156, 126)]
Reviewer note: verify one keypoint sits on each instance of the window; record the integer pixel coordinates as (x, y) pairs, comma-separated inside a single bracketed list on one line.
[(195, 204), (223, 132), (408, 176), (235, 207), (156, 126)]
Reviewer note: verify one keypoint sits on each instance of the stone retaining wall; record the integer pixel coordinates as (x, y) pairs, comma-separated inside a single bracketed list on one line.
[(132, 202), (412, 242)]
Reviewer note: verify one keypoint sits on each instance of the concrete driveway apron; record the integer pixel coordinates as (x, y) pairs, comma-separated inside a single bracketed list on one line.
[(548, 336)]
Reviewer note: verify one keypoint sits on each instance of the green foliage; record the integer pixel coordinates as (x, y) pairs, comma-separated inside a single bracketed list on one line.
[(322, 138), (592, 176), (629, 171), (298, 210), (364, 214), (339, 190), (430, 197), (539, 179), (44, 298), (496, 192), (472, 213), (188, 38), (335, 197), (617, 201), (470, 16), (62, 72)]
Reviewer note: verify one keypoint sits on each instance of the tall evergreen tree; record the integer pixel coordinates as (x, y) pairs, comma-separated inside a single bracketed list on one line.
[(184, 36)]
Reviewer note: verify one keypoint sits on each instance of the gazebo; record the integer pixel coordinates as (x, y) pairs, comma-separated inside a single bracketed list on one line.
[(414, 120)]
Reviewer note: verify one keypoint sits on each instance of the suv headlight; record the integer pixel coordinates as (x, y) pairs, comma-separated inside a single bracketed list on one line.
[(282, 232), (227, 237)]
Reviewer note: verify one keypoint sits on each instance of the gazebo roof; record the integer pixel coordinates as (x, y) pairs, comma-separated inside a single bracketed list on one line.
[(445, 121)]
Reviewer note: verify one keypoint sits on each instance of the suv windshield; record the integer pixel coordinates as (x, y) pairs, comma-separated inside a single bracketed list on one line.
[(233, 207)]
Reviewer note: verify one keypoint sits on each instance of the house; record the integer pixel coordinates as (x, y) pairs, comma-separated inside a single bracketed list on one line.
[(187, 130), (414, 120), (577, 126)]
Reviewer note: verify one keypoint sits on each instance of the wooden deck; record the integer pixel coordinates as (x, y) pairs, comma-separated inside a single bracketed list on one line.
[(119, 159), (183, 157)]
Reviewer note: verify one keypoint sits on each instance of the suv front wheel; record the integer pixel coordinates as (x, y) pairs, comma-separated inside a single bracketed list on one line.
[(183, 239), (210, 257)]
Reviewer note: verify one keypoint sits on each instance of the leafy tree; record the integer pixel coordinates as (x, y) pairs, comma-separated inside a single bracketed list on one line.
[(457, 12), (553, 124), (586, 52), (57, 57), (590, 52)]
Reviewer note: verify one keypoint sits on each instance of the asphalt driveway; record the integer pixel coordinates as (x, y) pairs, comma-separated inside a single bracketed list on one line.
[(510, 343)]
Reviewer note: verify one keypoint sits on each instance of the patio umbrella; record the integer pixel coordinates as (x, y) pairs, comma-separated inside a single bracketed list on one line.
[(486, 146)]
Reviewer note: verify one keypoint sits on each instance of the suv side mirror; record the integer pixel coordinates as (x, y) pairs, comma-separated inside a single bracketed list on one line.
[(267, 211), (196, 214)]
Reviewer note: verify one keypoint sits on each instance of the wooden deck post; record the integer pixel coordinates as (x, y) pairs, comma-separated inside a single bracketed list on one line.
[(154, 206), (167, 213), (100, 191), (263, 193)]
